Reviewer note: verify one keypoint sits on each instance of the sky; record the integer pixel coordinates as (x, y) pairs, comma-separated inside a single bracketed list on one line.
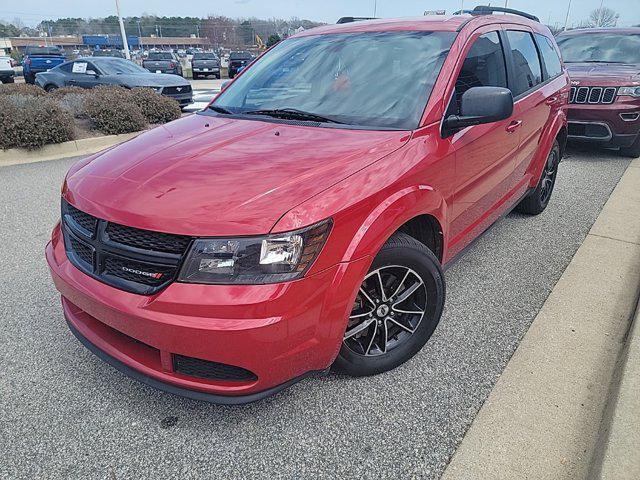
[(549, 11)]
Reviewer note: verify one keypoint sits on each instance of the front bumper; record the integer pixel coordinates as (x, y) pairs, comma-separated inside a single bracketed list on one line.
[(614, 125), (182, 99), (7, 74), (279, 332), (209, 70)]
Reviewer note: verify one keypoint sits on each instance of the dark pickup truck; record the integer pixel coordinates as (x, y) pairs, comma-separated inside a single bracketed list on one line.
[(40, 59), (163, 62), (237, 61), (204, 64)]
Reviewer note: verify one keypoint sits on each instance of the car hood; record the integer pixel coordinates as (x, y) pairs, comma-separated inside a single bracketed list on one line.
[(604, 74), (214, 176), (152, 80)]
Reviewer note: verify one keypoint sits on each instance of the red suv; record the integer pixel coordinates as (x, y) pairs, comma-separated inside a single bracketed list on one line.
[(604, 66), (303, 219)]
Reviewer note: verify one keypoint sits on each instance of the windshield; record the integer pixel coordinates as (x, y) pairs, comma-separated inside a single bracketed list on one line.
[(600, 47), (204, 56), (239, 56), (160, 56), (366, 79), (115, 67)]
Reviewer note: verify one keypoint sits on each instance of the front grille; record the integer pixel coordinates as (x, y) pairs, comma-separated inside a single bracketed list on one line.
[(592, 95), (174, 90), (148, 240), (131, 259), (194, 367)]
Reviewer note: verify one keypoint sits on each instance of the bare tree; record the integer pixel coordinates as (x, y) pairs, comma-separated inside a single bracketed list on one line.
[(603, 17)]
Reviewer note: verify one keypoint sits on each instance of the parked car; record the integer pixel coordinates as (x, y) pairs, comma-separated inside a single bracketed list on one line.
[(604, 66), (6, 69), (90, 72), (205, 64), (163, 62), (303, 220), (108, 52), (40, 59), (237, 60)]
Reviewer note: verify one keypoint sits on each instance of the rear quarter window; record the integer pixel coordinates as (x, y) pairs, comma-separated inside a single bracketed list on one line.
[(550, 56), (528, 71)]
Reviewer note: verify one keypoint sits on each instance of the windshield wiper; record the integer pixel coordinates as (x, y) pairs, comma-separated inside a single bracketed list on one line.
[(222, 110), (294, 114)]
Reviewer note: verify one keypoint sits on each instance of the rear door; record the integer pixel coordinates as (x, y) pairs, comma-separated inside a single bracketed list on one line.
[(532, 100), (484, 153)]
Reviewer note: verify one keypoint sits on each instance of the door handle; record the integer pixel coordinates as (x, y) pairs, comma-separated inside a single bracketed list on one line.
[(551, 100), (513, 126)]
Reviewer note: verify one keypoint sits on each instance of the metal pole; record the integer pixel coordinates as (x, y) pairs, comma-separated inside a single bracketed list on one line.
[(375, 7), (139, 37), (125, 43), (566, 19)]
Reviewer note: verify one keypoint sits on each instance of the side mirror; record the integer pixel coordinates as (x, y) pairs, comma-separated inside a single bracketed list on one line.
[(481, 105), (224, 85)]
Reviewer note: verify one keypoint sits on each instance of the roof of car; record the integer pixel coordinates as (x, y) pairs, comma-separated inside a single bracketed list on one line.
[(436, 23), (583, 31)]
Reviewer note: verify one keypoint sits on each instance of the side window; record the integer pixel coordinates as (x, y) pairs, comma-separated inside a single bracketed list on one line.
[(528, 72), (549, 56), (484, 65)]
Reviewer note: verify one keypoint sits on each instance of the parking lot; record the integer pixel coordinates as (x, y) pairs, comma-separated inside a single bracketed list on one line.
[(65, 413)]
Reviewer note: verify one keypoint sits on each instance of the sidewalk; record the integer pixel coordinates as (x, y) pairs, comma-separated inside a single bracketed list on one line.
[(544, 417)]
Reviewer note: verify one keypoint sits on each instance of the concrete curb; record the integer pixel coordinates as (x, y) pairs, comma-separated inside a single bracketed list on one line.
[(616, 456), (546, 417), (85, 146)]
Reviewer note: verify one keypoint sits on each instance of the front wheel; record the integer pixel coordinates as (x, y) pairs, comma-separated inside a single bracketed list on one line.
[(538, 199), (632, 151), (397, 308)]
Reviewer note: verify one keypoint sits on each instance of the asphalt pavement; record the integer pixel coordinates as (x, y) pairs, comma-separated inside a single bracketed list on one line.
[(66, 414)]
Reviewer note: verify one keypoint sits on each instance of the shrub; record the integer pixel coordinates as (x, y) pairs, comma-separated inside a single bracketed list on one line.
[(74, 103), (31, 122), (61, 92), (21, 89), (155, 107), (112, 110)]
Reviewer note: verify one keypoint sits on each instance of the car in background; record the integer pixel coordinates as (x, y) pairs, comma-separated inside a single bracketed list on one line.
[(6, 69), (108, 52), (604, 104), (205, 64), (94, 71), (163, 62), (39, 59), (237, 60)]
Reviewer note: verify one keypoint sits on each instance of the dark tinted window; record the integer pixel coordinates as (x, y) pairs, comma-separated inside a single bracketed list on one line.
[(549, 56), (65, 67), (528, 72), (43, 51), (204, 56), (608, 47), (484, 65), (160, 56), (239, 56)]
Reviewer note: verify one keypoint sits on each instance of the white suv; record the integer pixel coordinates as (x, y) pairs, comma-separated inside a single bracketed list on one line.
[(6, 69)]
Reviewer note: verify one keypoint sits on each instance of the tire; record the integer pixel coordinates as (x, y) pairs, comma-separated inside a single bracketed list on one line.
[(633, 151), (231, 75), (407, 268), (30, 79), (196, 76), (50, 88), (217, 76), (8, 80), (538, 199)]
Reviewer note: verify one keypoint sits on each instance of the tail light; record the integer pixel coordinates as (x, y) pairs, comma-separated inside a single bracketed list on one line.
[(172, 65)]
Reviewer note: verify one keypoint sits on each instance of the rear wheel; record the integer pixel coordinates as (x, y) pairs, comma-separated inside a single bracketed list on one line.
[(633, 151), (8, 80), (397, 308), (31, 79), (538, 199), (196, 76)]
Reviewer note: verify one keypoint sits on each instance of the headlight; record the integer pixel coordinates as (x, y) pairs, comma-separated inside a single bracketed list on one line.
[(629, 91), (254, 260)]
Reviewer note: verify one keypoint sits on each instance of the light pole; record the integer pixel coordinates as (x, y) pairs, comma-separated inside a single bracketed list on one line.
[(375, 7), (125, 43), (566, 19)]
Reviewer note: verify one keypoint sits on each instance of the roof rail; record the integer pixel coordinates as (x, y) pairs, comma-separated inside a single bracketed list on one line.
[(484, 9), (354, 19)]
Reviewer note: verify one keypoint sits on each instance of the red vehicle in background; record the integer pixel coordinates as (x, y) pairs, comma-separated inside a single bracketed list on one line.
[(302, 221), (604, 66)]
